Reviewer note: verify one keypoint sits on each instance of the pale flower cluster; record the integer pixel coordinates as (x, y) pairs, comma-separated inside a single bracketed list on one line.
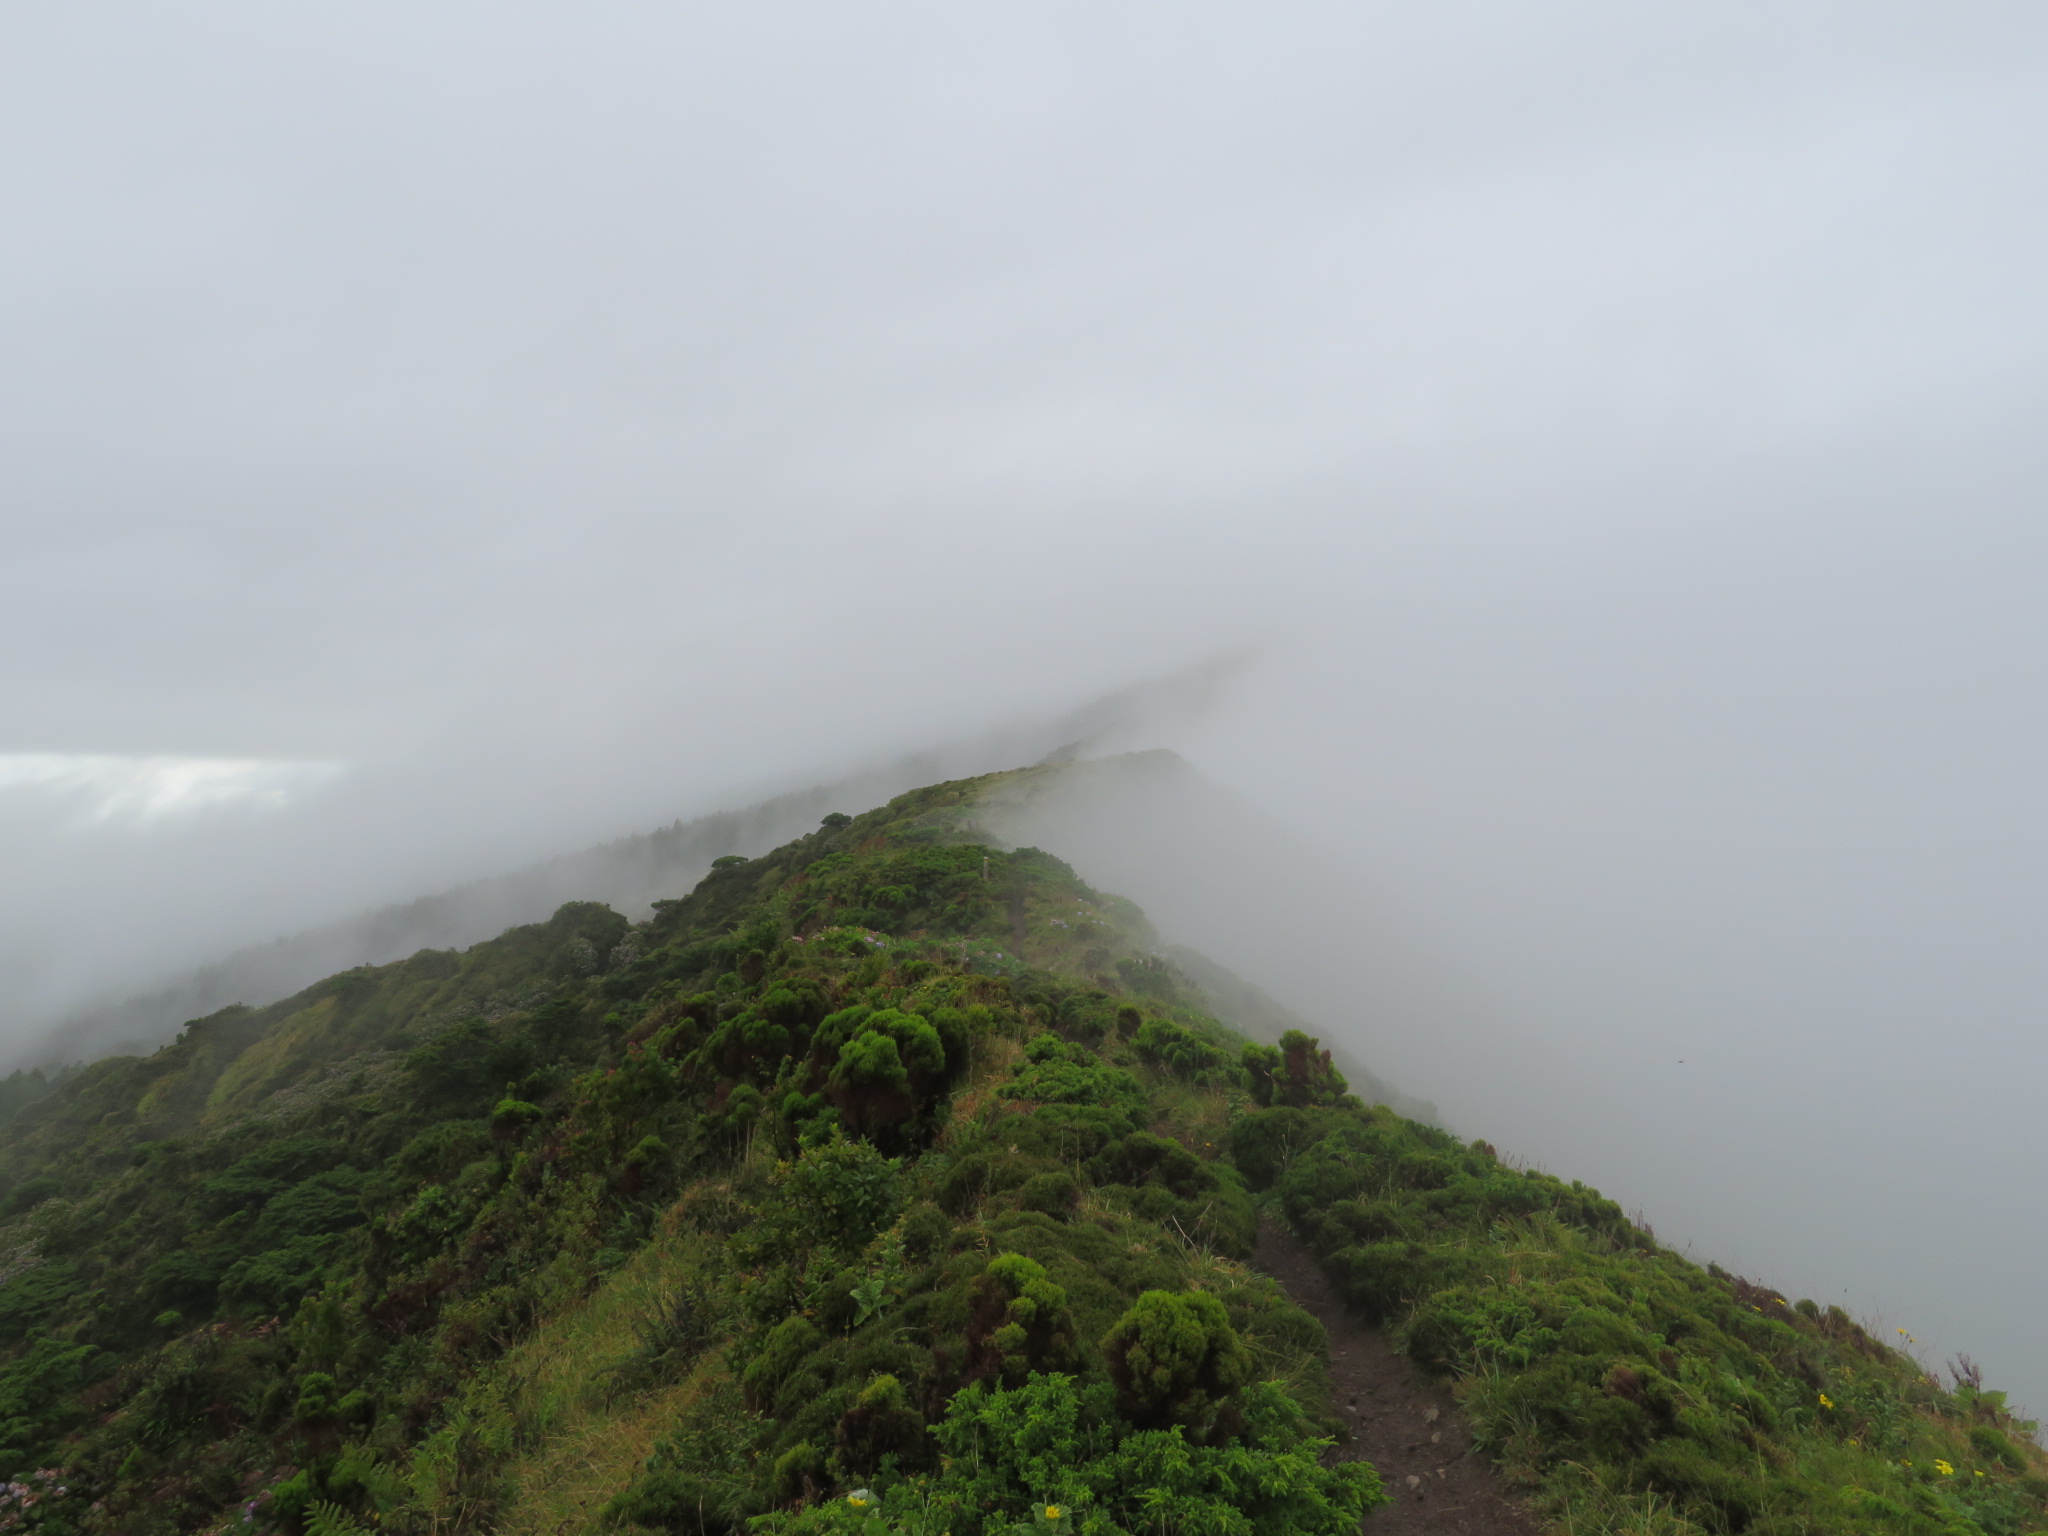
[(19, 1496)]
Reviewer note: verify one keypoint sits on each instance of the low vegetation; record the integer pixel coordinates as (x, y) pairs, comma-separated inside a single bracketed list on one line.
[(890, 1183)]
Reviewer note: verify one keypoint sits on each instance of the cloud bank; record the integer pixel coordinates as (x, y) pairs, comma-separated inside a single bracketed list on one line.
[(1607, 436)]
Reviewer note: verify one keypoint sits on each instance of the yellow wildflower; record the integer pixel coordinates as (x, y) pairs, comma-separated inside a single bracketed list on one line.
[(1826, 1401), (1944, 1468), (858, 1498), (1053, 1511)]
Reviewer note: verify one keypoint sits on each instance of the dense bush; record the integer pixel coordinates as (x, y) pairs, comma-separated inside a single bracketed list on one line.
[(1018, 1322), (1054, 1456), (1176, 1360)]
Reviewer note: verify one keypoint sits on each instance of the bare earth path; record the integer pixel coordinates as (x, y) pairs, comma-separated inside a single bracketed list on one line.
[(1401, 1421)]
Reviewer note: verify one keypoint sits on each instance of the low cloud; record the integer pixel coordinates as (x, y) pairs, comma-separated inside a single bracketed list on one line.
[(104, 788)]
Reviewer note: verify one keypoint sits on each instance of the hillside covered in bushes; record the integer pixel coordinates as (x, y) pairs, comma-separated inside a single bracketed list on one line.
[(890, 1183)]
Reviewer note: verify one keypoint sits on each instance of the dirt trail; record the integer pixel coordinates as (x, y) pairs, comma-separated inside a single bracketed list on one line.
[(1401, 1421)]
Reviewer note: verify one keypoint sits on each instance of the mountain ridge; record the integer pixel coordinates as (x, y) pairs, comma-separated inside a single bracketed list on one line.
[(893, 1181)]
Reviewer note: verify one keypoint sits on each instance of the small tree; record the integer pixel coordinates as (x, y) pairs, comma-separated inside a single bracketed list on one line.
[(1175, 1359), (1018, 1322), (843, 1192), (1298, 1073), (888, 1068), (512, 1116), (880, 1423)]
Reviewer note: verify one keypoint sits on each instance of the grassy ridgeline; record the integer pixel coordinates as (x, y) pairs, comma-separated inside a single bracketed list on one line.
[(888, 1183)]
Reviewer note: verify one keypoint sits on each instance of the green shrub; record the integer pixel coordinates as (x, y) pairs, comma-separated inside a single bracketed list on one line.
[(1018, 1321), (1054, 1193), (1995, 1447), (1176, 1360), (964, 1182), (880, 1424), (1203, 1201), (37, 1392), (788, 1344), (1055, 1444), (844, 1192), (1055, 1071), (926, 1231), (326, 1202), (1298, 1073), (1181, 1051)]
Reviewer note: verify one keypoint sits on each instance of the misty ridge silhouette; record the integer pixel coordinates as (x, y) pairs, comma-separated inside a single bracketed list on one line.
[(628, 873)]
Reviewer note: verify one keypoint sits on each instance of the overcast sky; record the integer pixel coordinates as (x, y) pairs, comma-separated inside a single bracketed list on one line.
[(1608, 437)]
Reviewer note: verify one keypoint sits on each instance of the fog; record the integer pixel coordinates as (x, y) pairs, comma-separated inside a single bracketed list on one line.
[(1567, 479)]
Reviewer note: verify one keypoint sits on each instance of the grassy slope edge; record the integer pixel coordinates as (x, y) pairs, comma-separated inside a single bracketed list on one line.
[(892, 1182)]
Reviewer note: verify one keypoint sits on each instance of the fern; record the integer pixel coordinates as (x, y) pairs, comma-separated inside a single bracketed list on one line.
[(325, 1519)]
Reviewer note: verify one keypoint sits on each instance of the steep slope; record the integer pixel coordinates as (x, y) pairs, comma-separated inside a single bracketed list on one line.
[(894, 1181)]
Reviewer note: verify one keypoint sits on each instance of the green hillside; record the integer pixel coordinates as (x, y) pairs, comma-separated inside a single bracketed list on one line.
[(890, 1183)]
